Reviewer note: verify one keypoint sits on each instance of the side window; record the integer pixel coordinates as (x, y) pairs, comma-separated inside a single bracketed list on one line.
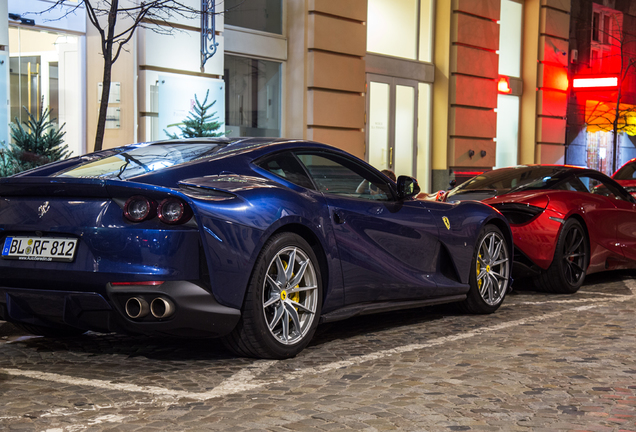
[(599, 187), (572, 184), (334, 174), (285, 165)]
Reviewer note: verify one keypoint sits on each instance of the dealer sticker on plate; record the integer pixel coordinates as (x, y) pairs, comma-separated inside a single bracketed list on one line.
[(39, 248)]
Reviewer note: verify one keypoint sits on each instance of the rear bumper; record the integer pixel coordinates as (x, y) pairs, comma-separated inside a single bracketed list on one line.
[(196, 312)]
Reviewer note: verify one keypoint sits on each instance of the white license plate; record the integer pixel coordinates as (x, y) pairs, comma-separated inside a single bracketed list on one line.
[(39, 248)]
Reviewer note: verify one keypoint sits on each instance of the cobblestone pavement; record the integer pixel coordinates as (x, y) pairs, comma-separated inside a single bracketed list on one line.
[(542, 362)]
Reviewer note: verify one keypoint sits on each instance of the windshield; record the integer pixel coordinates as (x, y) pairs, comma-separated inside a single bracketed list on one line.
[(627, 172), (142, 160), (510, 179)]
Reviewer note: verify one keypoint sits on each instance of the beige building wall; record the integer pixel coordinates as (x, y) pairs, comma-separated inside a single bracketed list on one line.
[(545, 81), (465, 87), (325, 75)]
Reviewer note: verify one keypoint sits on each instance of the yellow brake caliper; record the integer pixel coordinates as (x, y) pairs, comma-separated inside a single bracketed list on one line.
[(295, 297), (479, 281)]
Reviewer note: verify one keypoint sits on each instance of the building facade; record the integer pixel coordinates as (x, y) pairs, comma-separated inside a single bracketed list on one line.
[(603, 71), (436, 89)]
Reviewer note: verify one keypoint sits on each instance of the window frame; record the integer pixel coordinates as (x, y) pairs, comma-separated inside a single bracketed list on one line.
[(618, 192), (265, 159), (370, 174)]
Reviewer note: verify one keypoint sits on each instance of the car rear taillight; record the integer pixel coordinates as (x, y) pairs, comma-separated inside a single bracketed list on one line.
[(518, 213), (174, 211), (139, 208)]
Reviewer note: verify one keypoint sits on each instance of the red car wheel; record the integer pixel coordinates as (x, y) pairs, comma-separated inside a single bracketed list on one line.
[(571, 257)]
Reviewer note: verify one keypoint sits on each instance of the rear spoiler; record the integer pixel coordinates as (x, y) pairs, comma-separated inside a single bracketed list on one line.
[(75, 187), (52, 187)]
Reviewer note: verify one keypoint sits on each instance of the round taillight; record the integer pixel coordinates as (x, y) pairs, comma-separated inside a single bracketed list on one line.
[(174, 211), (139, 208)]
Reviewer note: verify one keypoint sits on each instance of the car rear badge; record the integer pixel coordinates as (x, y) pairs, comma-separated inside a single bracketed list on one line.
[(446, 222), (43, 209)]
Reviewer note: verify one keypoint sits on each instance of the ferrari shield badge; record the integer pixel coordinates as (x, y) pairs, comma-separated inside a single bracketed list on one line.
[(446, 222)]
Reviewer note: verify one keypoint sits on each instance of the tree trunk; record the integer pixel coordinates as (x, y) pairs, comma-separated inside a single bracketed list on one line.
[(108, 40), (103, 106)]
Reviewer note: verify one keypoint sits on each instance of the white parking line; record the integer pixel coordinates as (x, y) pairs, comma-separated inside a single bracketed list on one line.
[(244, 380), (570, 301), (237, 383)]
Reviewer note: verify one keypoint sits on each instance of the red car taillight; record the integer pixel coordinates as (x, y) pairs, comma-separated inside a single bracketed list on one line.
[(139, 208), (174, 211), (171, 210)]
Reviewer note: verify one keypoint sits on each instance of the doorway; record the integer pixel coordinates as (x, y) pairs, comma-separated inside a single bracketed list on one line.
[(391, 126)]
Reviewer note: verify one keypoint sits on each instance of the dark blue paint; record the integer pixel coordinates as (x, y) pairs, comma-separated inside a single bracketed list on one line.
[(373, 251)]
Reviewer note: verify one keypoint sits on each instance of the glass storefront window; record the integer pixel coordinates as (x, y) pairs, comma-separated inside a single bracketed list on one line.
[(392, 28), (507, 130), (599, 151), (44, 72), (262, 15), (252, 97), (510, 26)]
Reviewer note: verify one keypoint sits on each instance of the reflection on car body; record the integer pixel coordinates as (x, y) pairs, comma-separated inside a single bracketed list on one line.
[(566, 221), (252, 240)]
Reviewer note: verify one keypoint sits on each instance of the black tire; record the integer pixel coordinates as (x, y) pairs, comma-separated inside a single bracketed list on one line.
[(281, 307), (571, 257), (52, 332), (489, 272)]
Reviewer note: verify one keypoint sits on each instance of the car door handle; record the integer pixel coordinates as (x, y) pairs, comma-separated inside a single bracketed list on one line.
[(338, 218)]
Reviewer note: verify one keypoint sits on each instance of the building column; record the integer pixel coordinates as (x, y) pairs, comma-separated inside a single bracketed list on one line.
[(545, 78), (334, 73), (465, 89), (336, 43), (441, 90)]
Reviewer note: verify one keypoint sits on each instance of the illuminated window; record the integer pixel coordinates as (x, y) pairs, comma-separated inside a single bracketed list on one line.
[(510, 38), (400, 28), (44, 72)]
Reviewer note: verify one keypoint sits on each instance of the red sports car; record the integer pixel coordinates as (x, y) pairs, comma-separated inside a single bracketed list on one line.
[(626, 176), (566, 221)]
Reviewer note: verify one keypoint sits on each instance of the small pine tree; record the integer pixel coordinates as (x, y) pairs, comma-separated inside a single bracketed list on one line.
[(7, 163), (198, 123), (36, 144)]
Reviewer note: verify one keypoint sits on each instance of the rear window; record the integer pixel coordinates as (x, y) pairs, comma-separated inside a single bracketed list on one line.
[(627, 172), (509, 179), (142, 160)]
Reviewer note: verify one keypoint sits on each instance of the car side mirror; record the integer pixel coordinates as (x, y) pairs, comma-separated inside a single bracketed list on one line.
[(452, 183), (407, 187)]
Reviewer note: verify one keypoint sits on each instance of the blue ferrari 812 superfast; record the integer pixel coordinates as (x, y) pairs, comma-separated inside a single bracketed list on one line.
[(253, 240)]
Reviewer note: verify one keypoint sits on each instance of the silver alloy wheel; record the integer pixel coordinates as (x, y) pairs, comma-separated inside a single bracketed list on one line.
[(290, 295), (493, 268)]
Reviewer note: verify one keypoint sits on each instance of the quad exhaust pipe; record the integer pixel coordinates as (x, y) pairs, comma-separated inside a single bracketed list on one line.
[(161, 308), (138, 307)]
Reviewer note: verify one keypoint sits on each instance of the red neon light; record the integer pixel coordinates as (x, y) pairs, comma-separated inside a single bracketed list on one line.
[(503, 86), (595, 82), (468, 173)]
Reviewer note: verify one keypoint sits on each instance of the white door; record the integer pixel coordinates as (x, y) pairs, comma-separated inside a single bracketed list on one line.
[(392, 124)]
